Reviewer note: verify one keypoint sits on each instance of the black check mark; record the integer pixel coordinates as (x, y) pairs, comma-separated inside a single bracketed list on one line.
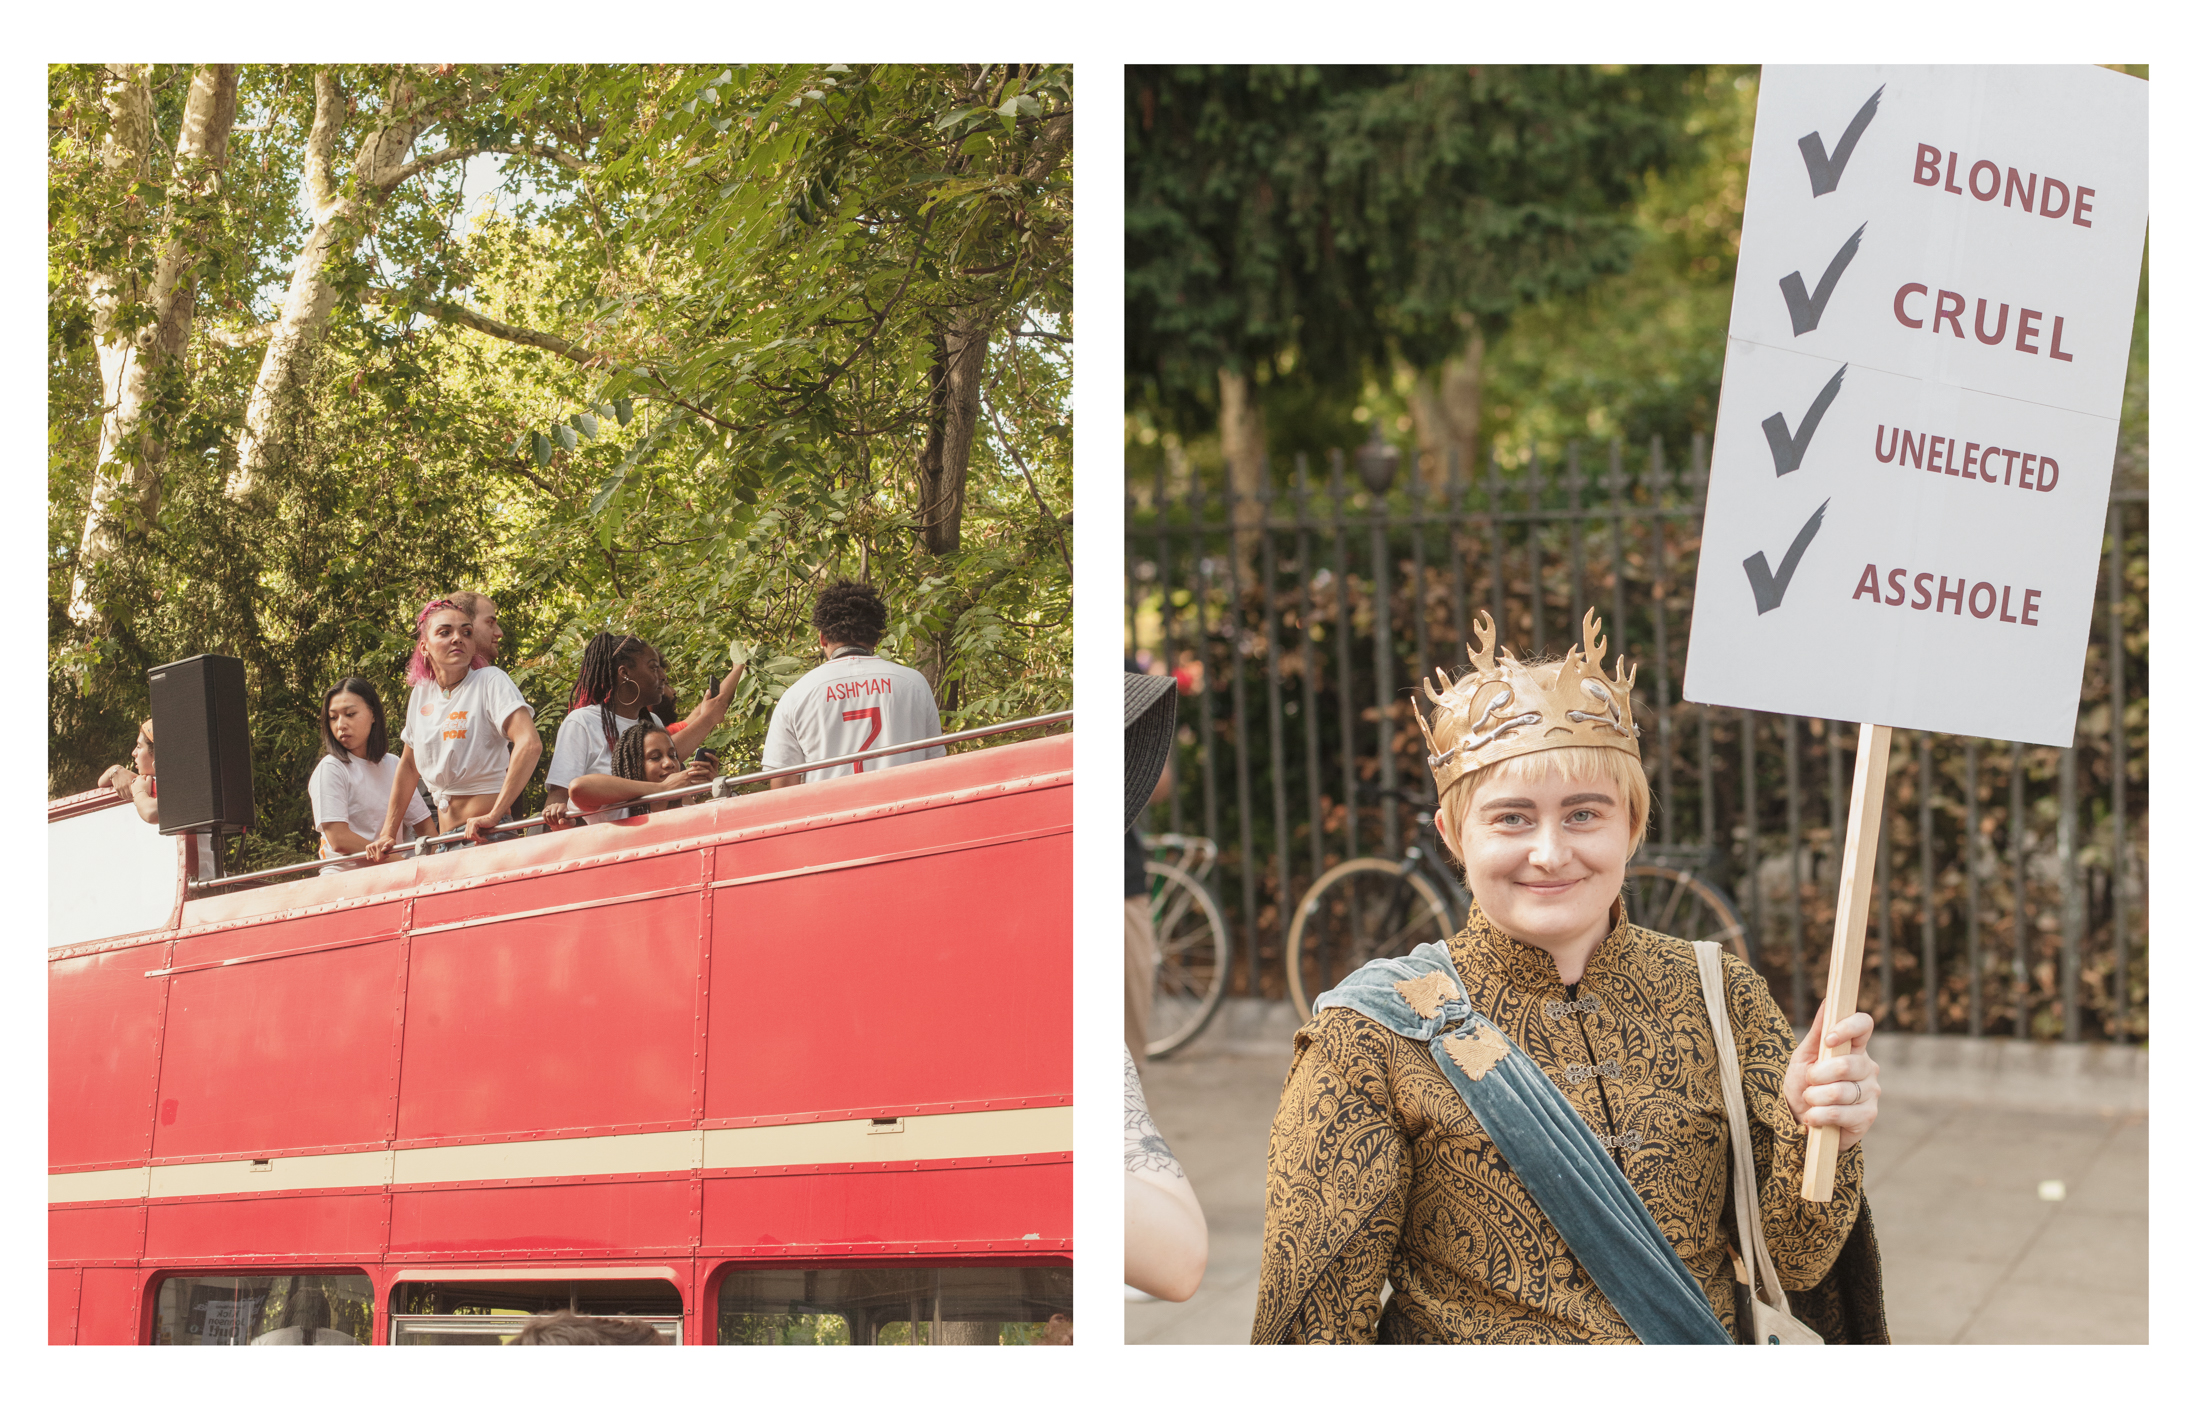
[(1787, 453), (1769, 586), (1824, 174), (1804, 309)]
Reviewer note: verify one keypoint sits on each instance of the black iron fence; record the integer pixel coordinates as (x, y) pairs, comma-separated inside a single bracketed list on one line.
[(2010, 889)]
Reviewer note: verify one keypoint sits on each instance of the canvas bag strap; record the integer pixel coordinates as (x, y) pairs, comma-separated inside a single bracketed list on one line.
[(1748, 1214)]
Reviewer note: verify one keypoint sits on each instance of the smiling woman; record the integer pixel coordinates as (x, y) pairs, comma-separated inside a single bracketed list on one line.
[(1524, 1129), (1545, 839)]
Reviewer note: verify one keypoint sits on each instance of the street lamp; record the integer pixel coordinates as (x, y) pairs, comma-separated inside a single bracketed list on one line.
[(1378, 460)]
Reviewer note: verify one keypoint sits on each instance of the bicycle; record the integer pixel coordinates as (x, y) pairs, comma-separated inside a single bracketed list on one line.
[(1375, 908), (1190, 939)]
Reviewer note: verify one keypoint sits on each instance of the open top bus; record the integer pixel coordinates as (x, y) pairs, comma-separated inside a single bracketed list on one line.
[(779, 1067)]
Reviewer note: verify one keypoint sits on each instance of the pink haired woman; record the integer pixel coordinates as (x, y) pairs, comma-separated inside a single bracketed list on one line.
[(468, 734)]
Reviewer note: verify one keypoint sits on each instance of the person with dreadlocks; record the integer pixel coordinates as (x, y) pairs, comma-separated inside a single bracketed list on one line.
[(622, 680), (468, 734), (854, 701), (644, 764)]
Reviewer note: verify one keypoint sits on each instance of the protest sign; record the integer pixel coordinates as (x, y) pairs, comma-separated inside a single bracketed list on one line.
[(1917, 422)]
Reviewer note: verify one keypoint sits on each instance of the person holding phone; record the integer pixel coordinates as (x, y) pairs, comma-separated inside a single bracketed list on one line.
[(621, 681), (644, 765)]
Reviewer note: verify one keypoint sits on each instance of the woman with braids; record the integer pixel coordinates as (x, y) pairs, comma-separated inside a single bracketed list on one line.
[(622, 679), (458, 722), (643, 765)]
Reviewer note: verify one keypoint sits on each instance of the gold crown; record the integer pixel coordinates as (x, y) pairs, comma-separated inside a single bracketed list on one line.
[(1506, 709)]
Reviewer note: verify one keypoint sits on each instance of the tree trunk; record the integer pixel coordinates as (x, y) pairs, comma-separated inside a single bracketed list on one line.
[(1447, 411), (1244, 445), (130, 453), (958, 364), (339, 223)]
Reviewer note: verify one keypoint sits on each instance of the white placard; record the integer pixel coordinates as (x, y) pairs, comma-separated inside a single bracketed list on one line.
[(1924, 372)]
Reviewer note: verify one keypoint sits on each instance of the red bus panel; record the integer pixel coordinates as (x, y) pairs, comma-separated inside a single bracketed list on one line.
[(281, 1054), (556, 1024), (110, 1306), (626, 1218), (801, 1019), (313, 1228), (1018, 1207), (61, 1289), (102, 1043), (822, 1026)]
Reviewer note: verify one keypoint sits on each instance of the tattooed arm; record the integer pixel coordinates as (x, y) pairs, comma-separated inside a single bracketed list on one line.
[(1164, 1232)]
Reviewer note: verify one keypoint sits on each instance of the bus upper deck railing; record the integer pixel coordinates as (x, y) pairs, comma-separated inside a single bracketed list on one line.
[(717, 788)]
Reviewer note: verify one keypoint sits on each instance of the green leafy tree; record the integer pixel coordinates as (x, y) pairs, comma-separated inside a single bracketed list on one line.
[(1312, 225), (727, 334)]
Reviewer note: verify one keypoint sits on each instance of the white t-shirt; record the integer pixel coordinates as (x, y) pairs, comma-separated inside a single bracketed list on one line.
[(847, 706), (457, 739), (357, 793), (581, 748)]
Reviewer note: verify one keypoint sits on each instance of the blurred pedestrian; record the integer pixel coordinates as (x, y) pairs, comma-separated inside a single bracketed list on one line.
[(1149, 721), (1164, 1228), (571, 1328)]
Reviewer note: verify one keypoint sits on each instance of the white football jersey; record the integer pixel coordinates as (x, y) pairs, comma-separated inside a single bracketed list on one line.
[(847, 706)]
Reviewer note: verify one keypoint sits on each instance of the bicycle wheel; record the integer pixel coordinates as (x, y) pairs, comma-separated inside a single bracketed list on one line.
[(1191, 947), (1361, 910), (1680, 903)]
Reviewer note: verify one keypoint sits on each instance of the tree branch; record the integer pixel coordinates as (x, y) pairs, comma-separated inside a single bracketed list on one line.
[(1044, 512), (482, 323), (451, 154), (328, 116), (242, 337)]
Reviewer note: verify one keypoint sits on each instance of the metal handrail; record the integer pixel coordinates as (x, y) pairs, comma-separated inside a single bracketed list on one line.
[(716, 787)]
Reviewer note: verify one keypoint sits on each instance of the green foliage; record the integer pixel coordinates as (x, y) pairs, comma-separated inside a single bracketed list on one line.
[(1313, 223), (1627, 354), (748, 267), (1641, 352)]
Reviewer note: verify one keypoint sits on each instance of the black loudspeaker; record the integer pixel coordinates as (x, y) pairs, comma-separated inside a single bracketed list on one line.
[(202, 749)]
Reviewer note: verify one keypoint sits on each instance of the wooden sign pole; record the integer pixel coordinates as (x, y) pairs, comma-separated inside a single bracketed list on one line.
[(1854, 905)]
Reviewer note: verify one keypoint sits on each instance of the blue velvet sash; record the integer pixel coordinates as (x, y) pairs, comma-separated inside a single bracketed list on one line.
[(1549, 1146)]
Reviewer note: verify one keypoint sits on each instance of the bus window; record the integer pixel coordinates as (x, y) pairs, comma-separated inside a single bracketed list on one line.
[(313, 1309), (958, 1305), (491, 1313)]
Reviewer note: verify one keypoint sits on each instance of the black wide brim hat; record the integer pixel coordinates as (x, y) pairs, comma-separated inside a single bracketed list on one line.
[(1149, 732)]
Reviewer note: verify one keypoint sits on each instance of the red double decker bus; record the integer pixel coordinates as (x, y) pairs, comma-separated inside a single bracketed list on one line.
[(778, 1067)]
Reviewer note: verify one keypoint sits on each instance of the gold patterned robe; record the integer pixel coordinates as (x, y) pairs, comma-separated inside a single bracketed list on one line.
[(1377, 1170)]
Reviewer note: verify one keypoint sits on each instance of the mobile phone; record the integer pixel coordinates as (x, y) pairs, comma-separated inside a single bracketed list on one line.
[(706, 755)]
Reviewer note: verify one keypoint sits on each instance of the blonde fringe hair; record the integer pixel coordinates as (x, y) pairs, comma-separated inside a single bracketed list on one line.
[(1572, 764)]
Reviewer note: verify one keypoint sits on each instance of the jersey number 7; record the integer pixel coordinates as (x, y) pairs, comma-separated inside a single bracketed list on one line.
[(872, 714)]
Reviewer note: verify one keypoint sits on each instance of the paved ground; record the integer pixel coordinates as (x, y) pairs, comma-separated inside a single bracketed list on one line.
[(1973, 1253)]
